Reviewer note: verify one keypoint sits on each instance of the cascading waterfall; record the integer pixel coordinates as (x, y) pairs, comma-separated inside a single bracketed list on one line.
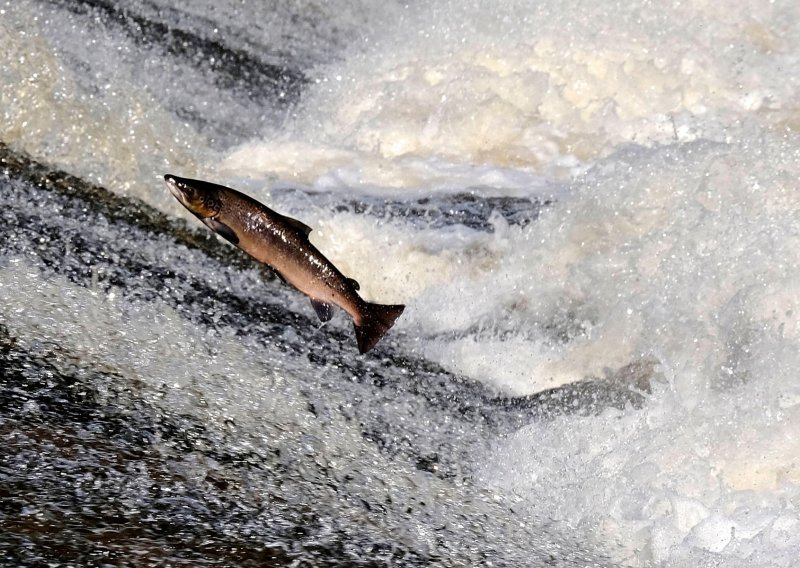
[(589, 209)]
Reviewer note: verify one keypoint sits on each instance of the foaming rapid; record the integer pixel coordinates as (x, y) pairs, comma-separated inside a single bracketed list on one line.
[(663, 139), (675, 253), (543, 85), (675, 243), (114, 132), (685, 255)]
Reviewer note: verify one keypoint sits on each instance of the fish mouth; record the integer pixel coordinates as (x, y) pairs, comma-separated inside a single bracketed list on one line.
[(172, 185)]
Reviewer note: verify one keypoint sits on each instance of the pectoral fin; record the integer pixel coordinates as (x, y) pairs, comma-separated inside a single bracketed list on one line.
[(221, 229), (324, 311)]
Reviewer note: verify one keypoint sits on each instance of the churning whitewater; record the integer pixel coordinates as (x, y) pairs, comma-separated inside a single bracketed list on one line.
[(589, 209)]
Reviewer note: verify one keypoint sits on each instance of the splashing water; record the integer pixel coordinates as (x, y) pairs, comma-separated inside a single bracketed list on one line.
[(559, 191)]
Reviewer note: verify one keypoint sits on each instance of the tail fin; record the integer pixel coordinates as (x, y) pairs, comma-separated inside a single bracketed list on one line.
[(377, 320)]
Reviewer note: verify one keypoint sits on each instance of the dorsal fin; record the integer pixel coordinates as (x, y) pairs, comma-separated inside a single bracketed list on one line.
[(354, 284), (297, 225)]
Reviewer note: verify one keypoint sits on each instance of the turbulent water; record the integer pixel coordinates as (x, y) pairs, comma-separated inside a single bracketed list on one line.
[(590, 209)]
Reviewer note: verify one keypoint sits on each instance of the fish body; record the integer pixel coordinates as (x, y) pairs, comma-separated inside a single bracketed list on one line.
[(282, 243)]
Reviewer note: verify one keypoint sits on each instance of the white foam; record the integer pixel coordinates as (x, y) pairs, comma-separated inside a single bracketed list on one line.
[(658, 481), (688, 255), (542, 85), (677, 242), (683, 254), (114, 132)]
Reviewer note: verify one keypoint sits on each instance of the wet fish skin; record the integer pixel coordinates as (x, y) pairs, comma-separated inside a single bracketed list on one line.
[(282, 243)]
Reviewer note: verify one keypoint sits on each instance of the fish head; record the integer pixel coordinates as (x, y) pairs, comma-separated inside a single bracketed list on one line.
[(199, 197)]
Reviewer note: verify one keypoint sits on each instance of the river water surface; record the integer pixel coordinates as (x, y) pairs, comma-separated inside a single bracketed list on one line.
[(590, 210)]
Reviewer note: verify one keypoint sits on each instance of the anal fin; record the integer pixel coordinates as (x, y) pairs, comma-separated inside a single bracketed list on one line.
[(324, 311)]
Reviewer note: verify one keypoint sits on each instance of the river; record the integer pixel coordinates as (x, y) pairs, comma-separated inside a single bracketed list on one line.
[(589, 209)]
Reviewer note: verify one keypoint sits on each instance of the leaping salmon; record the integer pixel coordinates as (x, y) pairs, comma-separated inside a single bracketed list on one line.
[(282, 243)]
